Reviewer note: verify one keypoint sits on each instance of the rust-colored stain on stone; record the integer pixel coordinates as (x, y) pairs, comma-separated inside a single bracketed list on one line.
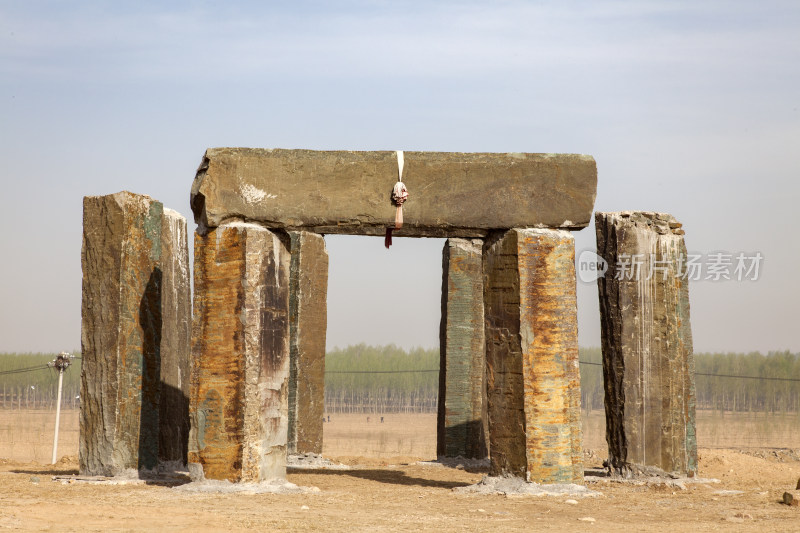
[(550, 360), (532, 356), (217, 378), (240, 354)]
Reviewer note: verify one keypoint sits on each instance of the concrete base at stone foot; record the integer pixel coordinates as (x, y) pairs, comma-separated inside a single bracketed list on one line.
[(240, 352)]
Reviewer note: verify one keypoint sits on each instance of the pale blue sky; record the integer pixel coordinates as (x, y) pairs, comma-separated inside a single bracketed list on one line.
[(688, 107)]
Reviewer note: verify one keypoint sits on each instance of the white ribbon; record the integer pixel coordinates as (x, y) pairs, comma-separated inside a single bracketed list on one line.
[(400, 162)]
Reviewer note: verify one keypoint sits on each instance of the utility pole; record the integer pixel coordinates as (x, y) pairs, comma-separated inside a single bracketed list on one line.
[(60, 363)]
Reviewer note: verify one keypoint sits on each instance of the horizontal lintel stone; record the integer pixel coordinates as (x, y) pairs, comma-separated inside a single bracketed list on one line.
[(451, 194)]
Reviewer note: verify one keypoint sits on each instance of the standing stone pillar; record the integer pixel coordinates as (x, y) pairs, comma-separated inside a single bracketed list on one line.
[(176, 332), (240, 354), (462, 423), (120, 333), (533, 380), (648, 365), (308, 322)]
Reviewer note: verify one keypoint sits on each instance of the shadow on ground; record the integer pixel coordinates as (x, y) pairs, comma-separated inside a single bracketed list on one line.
[(50, 472), (392, 477)]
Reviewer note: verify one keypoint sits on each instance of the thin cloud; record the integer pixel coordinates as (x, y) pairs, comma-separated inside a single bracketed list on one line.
[(419, 40)]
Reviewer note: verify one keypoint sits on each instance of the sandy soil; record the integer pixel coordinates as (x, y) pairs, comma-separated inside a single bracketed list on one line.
[(385, 492), (28, 435), (397, 494)]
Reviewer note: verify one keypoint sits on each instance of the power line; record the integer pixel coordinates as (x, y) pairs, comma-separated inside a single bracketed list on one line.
[(794, 380), (408, 371), (379, 371), (23, 370), (746, 377), (791, 380), (46, 366)]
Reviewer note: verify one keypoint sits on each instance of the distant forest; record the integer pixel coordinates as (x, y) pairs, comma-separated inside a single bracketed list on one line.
[(389, 387), (376, 379), (350, 389)]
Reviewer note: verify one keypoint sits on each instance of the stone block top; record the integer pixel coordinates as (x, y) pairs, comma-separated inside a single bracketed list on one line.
[(451, 194), (660, 223)]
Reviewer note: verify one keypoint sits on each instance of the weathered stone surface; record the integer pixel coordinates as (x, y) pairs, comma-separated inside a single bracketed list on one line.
[(176, 332), (451, 194), (240, 355), (308, 319), (648, 364), (462, 423), (792, 498), (533, 381), (120, 333)]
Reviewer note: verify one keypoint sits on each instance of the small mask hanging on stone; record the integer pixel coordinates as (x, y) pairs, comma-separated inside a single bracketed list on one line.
[(399, 197)]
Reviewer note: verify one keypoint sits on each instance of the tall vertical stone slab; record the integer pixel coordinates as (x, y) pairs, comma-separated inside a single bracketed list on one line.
[(533, 380), (308, 319), (176, 331), (240, 355), (648, 364), (120, 333), (462, 423)]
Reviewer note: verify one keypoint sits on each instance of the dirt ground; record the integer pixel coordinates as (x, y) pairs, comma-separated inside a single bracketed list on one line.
[(386, 489)]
